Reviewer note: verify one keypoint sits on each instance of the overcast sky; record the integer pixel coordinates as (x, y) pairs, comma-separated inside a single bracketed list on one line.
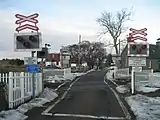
[(61, 21)]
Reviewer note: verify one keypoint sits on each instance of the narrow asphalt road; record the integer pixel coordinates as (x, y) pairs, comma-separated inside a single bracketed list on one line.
[(89, 98)]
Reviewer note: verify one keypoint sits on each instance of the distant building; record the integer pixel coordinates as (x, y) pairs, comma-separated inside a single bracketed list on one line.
[(152, 61), (65, 60), (65, 57), (53, 57)]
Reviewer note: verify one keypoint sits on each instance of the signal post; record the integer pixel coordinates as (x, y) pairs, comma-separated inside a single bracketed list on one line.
[(138, 51), (28, 42)]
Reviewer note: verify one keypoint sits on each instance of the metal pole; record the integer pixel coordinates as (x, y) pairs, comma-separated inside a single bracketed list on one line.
[(119, 47), (42, 74), (33, 78), (79, 51), (42, 65)]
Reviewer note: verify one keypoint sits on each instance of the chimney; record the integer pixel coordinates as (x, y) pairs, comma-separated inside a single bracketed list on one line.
[(158, 42)]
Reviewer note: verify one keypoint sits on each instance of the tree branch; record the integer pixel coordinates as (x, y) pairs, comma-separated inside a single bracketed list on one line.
[(114, 25)]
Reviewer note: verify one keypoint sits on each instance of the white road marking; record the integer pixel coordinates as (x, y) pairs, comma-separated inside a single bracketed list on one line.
[(47, 114), (114, 83), (120, 102), (60, 86), (87, 116), (62, 97)]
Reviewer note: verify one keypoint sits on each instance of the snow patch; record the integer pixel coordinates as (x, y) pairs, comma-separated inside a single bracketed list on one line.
[(145, 108), (12, 115), (48, 95), (109, 74), (68, 76), (147, 82), (122, 89), (146, 89)]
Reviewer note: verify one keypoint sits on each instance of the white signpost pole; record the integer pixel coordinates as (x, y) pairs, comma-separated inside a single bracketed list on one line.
[(132, 82), (136, 60)]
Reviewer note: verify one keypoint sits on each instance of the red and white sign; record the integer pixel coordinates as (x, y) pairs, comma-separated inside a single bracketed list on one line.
[(135, 32), (30, 18), (138, 55), (138, 38), (141, 31), (27, 26)]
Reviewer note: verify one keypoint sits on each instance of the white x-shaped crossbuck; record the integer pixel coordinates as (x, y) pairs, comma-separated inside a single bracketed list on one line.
[(141, 31), (30, 18), (138, 37)]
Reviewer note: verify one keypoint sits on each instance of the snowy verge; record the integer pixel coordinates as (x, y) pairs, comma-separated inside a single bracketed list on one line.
[(67, 77), (109, 74), (122, 89), (145, 89), (48, 95), (147, 82), (144, 108)]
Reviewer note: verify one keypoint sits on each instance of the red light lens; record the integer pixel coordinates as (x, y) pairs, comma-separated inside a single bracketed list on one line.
[(144, 47), (134, 47)]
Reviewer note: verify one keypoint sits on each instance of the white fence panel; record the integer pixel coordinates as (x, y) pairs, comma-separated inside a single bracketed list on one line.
[(20, 86), (122, 73), (38, 83), (141, 79), (148, 71), (145, 79), (67, 71), (50, 73)]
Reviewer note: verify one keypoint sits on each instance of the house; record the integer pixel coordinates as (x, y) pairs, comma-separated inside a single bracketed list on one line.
[(53, 57), (65, 60), (152, 61)]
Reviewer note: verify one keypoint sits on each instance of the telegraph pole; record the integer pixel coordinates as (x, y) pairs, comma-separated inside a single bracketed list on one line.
[(119, 47), (79, 40), (33, 78)]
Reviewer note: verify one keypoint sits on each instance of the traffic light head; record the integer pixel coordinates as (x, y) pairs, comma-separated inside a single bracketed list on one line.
[(134, 47), (138, 49), (28, 41), (144, 47), (43, 53)]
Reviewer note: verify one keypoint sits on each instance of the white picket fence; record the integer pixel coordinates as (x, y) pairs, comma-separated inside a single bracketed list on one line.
[(50, 73), (122, 73), (140, 80), (19, 86), (148, 71)]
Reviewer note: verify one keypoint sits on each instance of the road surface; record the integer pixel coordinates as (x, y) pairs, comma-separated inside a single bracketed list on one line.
[(87, 98)]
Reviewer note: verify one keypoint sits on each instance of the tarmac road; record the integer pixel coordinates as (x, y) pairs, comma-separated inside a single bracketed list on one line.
[(88, 98)]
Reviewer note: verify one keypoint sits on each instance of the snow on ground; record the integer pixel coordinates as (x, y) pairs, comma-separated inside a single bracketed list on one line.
[(146, 89), (122, 89), (144, 108), (148, 84), (48, 95), (109, 74), (68, 76)]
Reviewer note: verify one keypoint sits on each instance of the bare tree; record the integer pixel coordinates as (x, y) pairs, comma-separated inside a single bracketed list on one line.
[(114, 25)]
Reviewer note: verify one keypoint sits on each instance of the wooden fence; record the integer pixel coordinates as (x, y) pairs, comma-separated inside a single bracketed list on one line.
[(19, 87)]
